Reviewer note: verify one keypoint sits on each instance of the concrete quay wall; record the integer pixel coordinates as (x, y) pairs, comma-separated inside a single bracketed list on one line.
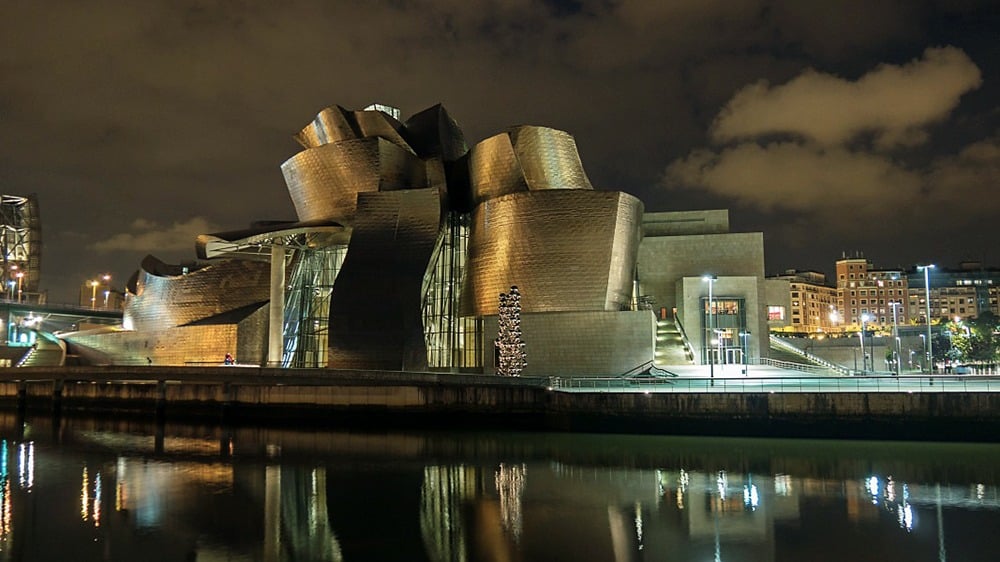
[(857, 415), (405, 400)]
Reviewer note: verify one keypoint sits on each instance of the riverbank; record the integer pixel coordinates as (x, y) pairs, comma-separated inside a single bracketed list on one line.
[(386, 399)]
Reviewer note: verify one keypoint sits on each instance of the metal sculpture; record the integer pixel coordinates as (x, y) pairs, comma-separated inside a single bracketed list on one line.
[(512, 355)]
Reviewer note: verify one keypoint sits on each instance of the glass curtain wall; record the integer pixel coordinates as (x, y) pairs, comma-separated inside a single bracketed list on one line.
[(452, 341), (307, 305), (727, 317)]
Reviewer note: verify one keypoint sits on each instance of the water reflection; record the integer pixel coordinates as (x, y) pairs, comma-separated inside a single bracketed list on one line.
[(207, 493)]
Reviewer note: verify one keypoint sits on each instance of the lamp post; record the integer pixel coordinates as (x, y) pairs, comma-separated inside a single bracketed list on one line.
[(927, 303), (864, 358), (746, 351), (895, 334), (20, 279), (107, 288), (923, 341), (11, 284), (93, 295), (711, 279)]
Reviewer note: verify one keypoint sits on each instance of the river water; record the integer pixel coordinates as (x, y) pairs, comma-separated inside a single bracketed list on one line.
[(85, 489)]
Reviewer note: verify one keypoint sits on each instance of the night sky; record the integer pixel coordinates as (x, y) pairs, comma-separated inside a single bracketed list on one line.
[(869, 125)]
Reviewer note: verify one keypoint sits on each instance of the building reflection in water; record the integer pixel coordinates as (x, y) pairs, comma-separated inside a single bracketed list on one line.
[(195, 498), (444, 493), (509, 481)]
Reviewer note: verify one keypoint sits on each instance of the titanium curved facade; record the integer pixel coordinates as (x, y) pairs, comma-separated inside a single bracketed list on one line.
[(390, 184), (404, 240), (566, 250), (375, 311), (324, 182), (166, 301), (549, 158), (335, 124), (525, 158)]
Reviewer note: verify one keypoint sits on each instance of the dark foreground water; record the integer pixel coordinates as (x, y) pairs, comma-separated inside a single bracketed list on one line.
[(79, 490)]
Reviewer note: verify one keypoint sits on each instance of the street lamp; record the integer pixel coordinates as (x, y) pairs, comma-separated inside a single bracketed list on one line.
[(895, 333), (927, 303), (746, 351), (923, 341), (711, 279), (93, 294), (20, 279), (864, 358), (107, 290), (11, 284)]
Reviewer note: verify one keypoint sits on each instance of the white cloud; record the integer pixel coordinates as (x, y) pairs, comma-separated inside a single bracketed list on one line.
[(893, 102), (150, 237)]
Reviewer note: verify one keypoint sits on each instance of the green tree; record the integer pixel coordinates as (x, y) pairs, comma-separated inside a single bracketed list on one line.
[(976, 339), (984, 338)]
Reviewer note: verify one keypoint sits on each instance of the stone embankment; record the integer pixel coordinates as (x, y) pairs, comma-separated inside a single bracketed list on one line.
[(379, 399)]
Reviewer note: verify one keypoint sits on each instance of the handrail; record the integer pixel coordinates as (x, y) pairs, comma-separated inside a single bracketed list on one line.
[(684, 337), (789, 365), (783, 384), (636, 370), (778, 342), (650, 368)]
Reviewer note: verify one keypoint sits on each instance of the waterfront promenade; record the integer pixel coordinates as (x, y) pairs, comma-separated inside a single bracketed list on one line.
[(767, 402)]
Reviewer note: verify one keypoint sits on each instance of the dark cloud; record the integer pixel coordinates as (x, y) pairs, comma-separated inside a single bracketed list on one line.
[(166, 110)]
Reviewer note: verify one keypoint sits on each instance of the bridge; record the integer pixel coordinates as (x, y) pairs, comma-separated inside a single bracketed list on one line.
[(29, 329)]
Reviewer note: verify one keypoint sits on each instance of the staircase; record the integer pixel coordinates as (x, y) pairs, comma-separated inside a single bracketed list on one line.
[(670, 348), (48, 351)]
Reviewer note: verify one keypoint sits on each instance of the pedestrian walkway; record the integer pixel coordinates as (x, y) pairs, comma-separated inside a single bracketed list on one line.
[(48, 351), (670, 348)]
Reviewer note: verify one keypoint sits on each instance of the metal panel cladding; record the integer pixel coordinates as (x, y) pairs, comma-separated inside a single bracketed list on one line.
[(433, 132), (566, 250), (494, 169), (549, 158), (375, 310), (330, 125), (525, 158), (168, 300), (378, 124), (324, 181)]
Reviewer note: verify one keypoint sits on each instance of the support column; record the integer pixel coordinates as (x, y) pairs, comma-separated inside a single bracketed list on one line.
[(276, 320)]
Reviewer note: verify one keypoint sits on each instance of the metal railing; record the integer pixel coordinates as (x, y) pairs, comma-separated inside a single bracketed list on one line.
[(904, 384), (688, 349), (782, 344), (800, 367)]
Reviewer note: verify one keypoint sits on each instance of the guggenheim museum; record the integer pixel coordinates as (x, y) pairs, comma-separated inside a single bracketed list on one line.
[(405, 237)]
